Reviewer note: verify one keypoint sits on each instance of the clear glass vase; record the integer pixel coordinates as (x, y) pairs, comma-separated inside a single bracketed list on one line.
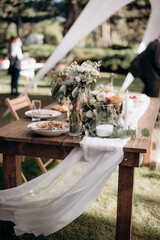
[(104, 119), (75, 121)]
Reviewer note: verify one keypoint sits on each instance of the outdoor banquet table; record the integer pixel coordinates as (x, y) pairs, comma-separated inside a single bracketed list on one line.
[(16, 139)]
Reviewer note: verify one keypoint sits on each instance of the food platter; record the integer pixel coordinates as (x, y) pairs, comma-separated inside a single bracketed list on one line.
[(49, 128)]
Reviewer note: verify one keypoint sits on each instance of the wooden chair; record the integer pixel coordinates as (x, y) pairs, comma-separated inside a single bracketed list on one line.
[(20, 103)]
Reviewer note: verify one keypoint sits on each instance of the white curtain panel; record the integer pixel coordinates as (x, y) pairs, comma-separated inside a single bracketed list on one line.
[(51, 201)]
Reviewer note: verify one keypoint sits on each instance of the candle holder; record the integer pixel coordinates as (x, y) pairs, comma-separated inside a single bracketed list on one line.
[(104, 119)]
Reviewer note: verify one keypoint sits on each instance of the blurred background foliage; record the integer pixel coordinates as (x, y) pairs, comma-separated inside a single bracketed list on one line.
[(115, 42)]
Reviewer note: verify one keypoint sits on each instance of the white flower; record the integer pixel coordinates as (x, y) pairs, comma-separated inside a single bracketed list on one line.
[(95, 72), (77, 78), (80, 69), (109, 94), (94, 93), (101, 96), (92, 100)]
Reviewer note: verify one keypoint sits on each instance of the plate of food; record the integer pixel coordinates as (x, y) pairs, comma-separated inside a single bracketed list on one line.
[(49, 128), (44, 113)]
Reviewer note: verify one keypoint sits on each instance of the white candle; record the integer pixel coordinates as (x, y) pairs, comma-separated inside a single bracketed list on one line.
[(126, 109), (104, 130)]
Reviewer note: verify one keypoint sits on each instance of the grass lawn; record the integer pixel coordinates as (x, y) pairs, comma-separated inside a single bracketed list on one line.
[(99, 221)]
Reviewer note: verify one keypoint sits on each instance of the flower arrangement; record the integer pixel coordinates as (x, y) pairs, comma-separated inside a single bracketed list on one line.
[(75, 80), (73, 83), (104, 95)]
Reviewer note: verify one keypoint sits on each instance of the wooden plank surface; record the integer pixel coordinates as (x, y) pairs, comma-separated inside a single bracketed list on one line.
[(141, 144), (17, 131), (36, 150)]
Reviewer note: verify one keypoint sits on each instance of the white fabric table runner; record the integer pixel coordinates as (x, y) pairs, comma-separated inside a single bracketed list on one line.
[(54, 199)]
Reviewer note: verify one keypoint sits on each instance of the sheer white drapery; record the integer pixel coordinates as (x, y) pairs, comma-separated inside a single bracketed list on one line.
[(48, 203)]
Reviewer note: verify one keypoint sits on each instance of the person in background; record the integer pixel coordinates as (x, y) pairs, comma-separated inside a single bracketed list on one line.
[(15, 56), (146, 66)]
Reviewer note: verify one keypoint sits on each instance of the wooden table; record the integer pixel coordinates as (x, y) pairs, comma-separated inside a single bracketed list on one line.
[(16, 139)]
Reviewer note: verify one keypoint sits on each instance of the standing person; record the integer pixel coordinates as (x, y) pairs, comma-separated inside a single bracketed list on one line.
[(146, 66), (15, 56)]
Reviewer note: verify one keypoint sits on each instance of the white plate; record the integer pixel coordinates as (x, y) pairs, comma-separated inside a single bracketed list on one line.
[(33, 127), (44, 113)]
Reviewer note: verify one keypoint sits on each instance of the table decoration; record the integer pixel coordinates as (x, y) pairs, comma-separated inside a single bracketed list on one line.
[(73, 83), (102, 106), (104, 119)]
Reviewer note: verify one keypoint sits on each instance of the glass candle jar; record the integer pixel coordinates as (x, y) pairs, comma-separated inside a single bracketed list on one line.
[(104, 119)]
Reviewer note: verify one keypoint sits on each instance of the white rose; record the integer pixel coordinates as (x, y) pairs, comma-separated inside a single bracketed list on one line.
[(93, 93), (95, 72), (101, 96), (92, 100), (78, 79), (80, 69), (88, 69), (109, 94)]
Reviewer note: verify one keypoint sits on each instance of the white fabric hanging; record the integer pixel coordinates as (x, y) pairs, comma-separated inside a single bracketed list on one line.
[(51, 201)]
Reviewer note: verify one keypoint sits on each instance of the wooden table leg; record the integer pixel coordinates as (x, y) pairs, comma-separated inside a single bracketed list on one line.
[(12, 170), (125, 203), (147, 156)]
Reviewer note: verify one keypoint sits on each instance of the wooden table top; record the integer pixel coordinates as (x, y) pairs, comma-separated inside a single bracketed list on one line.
[(17, 131)]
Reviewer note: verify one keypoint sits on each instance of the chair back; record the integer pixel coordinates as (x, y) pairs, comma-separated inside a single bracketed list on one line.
[(17, 104)]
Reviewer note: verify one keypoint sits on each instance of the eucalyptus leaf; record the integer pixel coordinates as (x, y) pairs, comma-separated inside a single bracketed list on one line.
[(86, 92), (89, 114), (63, 89), (131, 132), (71, 73), (145, 132), (80, 96), (67, 82), (74, 92)]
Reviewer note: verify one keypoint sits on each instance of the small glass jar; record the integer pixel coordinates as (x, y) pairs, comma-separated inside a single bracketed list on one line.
[(104, 119)]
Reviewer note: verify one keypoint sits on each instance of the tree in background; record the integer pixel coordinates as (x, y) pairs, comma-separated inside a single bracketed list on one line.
[(122, 26)]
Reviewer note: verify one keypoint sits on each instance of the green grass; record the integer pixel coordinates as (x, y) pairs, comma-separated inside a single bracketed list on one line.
[(99, 221)]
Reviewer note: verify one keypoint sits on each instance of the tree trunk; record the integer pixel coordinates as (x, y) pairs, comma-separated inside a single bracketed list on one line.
[(106, 33), (73, 13)]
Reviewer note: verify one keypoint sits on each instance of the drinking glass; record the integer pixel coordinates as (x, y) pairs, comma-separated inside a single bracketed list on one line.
[(36, 104)]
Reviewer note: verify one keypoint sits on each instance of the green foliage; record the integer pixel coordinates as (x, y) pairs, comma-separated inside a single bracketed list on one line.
[(39, 52), (53, 33), (113, 60), (145, 132)]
